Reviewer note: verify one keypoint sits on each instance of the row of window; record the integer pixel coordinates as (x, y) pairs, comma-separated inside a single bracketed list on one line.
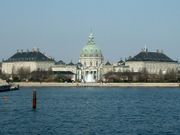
[(24, 59), (91, 55), (91, 63)]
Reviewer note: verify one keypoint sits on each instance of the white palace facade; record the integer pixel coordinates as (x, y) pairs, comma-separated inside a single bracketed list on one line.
[(91, 66), (28, 60)]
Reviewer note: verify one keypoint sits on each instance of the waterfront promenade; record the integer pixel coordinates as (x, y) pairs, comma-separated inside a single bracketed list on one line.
[(54, 84)]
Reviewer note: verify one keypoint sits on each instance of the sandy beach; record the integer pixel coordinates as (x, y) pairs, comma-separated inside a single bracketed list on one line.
[(54, 84)]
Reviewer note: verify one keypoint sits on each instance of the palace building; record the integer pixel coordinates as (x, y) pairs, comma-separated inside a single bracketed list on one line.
[(30, 61), (91, 66), (153, 62)]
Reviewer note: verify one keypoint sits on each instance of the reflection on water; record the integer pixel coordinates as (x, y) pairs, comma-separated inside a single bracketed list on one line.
[(91, 111)]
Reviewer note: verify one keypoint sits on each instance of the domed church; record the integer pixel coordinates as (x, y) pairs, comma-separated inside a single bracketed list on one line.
[(90, 67), (91, 59)]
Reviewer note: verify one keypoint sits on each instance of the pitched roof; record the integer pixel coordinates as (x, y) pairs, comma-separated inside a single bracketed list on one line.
[(29, 56), (60, 62), (71, 64), (151, 56), (108, 63), (121, 61)]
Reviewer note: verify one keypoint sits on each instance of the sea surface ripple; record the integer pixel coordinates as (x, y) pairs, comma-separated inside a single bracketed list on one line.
[(91, 111)]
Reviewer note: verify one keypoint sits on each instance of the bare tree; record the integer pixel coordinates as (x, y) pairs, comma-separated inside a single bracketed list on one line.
[(41, 75), (171, 76), (143, 75), (23, 73)]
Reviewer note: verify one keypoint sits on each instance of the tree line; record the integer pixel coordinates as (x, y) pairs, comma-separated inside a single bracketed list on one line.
[(24, 74), (142, 76)]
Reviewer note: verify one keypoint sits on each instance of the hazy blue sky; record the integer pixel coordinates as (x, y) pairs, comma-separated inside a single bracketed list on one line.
[(61, 27)]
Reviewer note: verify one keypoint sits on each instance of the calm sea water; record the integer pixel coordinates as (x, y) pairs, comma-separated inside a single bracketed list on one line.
[(91, 111)]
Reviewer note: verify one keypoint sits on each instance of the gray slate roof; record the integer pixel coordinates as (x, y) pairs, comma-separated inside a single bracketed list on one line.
[(61, 63), (71, 64), (151, 56), (121, 61), (108, 63), (29, 56)]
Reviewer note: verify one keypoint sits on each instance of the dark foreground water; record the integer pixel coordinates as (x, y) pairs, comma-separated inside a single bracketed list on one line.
[(91, 111)]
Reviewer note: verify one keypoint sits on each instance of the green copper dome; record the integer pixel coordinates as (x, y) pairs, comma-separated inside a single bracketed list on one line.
[(90, 50)]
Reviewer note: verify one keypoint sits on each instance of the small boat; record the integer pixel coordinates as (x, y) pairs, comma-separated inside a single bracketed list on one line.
[(4, 86)]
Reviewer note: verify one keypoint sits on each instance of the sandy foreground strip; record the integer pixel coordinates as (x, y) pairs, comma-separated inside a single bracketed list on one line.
[(53, 84)]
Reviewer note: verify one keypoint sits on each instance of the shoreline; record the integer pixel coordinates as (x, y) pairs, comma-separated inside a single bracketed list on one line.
[(54, 84)]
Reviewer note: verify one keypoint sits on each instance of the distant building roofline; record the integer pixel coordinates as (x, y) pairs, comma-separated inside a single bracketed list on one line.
[(151, 56), (28, 56)]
